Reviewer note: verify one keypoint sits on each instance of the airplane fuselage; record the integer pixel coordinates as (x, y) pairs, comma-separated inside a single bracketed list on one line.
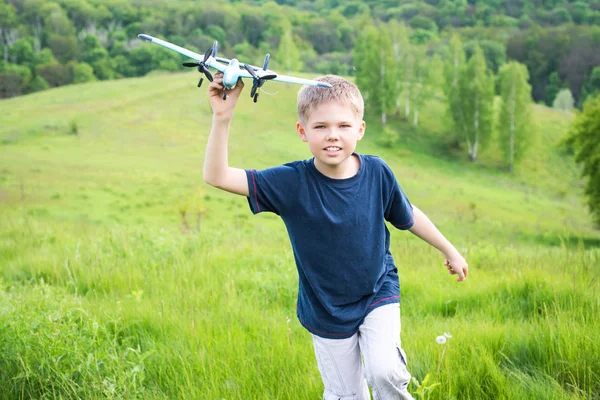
[(231, 74)]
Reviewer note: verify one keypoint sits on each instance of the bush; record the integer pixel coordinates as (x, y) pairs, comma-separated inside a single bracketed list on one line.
[(564, 100), (83, 72), (37, 85)]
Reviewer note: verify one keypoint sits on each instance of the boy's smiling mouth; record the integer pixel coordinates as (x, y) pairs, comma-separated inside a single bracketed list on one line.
[(332, 149)]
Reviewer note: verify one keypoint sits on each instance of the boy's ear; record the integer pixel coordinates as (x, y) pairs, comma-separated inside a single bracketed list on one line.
[(300, 131), (361, 130)]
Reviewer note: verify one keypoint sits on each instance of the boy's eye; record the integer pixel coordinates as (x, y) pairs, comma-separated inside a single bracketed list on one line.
[(319, 126), (345, 126)]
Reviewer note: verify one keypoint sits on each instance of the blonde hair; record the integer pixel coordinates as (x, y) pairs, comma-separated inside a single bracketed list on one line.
[(344, 91)]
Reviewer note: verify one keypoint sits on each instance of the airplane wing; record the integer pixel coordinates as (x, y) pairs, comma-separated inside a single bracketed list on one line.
[(300, 81), (216, 64), (188, 53)]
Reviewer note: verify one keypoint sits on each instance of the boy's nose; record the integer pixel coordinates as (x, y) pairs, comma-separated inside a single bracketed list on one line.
[(333, 135)]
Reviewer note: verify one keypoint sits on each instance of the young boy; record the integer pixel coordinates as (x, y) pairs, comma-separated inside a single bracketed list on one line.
[(334, 207)]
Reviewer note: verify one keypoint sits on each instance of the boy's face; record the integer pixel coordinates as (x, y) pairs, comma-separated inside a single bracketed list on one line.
[(332, 130)]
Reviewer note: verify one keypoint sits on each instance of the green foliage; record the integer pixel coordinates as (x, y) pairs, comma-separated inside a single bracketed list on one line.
[(327, 27), (591, 86), (64, 48), (389, 137), (514, 123), (287, 54), (494, 52), (563, 100), (55, 74), (469, 88), (38, 84), (83, 72), (477, 84), (584, 138), (552, 88)]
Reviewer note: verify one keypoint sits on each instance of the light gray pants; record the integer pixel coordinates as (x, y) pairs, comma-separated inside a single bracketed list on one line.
[(383, 365)]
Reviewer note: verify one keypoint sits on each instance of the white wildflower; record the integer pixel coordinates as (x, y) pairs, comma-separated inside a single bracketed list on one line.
[(441, 339), (447, 334)]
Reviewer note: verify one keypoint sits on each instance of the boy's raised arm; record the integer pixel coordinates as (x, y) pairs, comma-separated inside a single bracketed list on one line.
[(217, 171)]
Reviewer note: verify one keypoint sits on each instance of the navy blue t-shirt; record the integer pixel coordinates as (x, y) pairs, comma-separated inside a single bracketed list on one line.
[(339, 238)]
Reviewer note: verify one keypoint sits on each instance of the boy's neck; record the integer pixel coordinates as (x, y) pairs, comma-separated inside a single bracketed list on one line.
[(346, 169)]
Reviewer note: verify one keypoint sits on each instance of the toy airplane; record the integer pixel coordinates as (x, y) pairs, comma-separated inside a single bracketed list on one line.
[(232, 69)]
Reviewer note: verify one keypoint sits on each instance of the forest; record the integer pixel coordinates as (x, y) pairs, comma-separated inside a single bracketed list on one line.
[(46, 44)]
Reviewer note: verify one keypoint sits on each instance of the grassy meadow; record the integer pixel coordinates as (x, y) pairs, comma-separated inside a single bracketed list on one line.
[(122, 275)]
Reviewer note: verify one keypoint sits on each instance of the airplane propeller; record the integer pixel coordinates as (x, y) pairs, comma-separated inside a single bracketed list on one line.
[(202, 67), (259, 81)]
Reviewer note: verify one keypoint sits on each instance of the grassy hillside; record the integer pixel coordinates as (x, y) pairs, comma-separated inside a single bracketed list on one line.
[(105, 292)]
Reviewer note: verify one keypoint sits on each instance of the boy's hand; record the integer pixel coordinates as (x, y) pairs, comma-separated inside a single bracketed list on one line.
[(223, 109), (457, 265)]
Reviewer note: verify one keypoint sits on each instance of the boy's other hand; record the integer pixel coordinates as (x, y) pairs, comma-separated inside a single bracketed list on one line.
[(223, 109), (457, 265)]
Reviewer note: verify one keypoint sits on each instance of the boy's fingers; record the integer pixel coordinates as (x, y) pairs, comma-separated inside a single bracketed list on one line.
[(238, 86)]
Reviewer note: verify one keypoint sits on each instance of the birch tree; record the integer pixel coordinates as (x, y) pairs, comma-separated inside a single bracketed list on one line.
[(401, 51), (388, 75), (425, 80), (288, 55), (364, 63), (514, 122), (8, 22), (375, 71), (478, 103), (584, 139), (455, 93)]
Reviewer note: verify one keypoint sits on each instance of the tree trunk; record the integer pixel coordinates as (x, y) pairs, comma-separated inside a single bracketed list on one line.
[(511, 157), (407, 105), (383, 118), (476, 140), (416, 116)]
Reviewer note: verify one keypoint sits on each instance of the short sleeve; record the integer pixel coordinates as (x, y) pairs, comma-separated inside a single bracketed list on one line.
[(398, 210), (272, 189)]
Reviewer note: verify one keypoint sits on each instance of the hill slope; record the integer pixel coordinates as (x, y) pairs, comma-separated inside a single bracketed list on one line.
[(111, 285), (150, 133)]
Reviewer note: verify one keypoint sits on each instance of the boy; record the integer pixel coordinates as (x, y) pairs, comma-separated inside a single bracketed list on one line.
[(334, 207)]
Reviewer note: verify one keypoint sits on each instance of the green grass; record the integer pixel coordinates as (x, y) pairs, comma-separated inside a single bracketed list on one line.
[(105, 293)]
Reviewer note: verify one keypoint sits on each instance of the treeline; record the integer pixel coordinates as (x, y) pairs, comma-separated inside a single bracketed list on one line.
[(398, 78), (53, 43)]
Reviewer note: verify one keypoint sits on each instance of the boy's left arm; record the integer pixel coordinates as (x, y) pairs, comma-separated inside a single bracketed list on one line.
[(424, 229)]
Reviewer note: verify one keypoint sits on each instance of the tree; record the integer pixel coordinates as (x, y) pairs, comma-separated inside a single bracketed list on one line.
[(564, 100), (287, 54), (425, 80), (83, 72), (515, 113), (401, 47), (552, 88), (455, 93), (387, 74), (11, 84), (37, 84), (55, 74), (8, 20), (494, 52), (584, 138), (364, 60), (376, 71), (591, 86), (477, 103)]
